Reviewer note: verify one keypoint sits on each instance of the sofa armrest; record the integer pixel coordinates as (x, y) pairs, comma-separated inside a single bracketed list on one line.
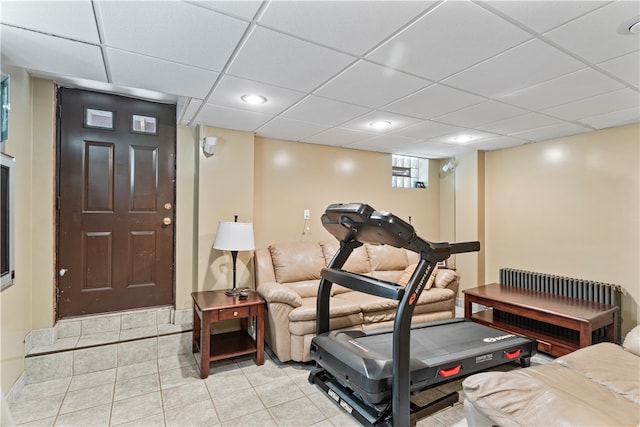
[(277, 292)]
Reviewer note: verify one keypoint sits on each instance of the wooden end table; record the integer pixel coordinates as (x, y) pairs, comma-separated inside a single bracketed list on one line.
[(570, 314), (214, 306)]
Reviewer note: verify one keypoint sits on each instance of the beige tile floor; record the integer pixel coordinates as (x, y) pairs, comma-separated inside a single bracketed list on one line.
[(169, 392)]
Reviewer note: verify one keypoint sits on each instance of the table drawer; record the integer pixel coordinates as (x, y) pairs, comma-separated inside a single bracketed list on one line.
[(544, 346), (234, 313)]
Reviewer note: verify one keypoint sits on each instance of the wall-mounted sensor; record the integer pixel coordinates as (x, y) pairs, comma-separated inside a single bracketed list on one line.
[(209, 144)]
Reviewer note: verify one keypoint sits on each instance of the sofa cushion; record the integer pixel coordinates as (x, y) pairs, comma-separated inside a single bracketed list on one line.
[(307, 311), (365, 302), (358, 261), (378, 309), (342, 314), (304, 288), (632, 341), (295, 262), (548, 394), (444, 278), (408, 272), (385, 257), (595, 362)]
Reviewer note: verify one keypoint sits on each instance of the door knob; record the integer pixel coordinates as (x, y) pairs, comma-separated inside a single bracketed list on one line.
[(166, 220), (62, 272)]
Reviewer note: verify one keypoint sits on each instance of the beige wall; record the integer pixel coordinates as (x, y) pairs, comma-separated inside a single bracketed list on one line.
[(28, 304), (224, 189), (447, 202), (186, 214), (570, 207), (291, 177), (469, 214), (15, 302)]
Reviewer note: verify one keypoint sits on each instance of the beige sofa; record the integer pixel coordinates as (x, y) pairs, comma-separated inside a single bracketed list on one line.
[(597, 385), (288, 276)]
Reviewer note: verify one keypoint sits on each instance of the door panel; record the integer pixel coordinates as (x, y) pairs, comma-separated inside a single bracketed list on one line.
[(113, 182)]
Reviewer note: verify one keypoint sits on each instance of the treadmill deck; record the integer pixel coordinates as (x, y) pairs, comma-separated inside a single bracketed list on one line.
[(440, 351)]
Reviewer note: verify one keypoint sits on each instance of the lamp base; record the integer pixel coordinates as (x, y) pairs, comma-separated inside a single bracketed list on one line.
[(234, 292)]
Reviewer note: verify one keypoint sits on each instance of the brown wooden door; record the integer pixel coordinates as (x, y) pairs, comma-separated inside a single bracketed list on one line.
[(116, 187)]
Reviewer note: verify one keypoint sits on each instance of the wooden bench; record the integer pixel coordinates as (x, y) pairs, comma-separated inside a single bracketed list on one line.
[(548, 318)]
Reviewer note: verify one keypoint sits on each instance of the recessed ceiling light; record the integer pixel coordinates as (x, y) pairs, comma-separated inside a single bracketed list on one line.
[(463, 138), (380, 124), (253, 99), (635, 28)]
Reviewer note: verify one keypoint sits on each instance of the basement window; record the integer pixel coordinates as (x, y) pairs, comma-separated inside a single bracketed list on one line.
[(409, 172), (7, 221)]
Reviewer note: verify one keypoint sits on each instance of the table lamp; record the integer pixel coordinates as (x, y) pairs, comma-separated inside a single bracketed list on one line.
[(234, 236)]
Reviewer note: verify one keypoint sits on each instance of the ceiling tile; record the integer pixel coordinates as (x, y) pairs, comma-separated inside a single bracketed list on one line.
[(383, 143), (245, 9), (371, 85), (339, 137), (476, 136), (520, 123), (331, 23), (363, 123), (229, 90), (230, 118), (625, 67), (433, 150), (427, 130), (596, 105), (433, 101), (510, 71), (600, 35), (615, 118), (134, 70), (274, 58), (70, 19), (479, 114), (292, 130), (51, 55), (570, 87), (549, 132), (497, 143), (144, 27), (315, 109), (528, 64), (542, 16), (450, 38)]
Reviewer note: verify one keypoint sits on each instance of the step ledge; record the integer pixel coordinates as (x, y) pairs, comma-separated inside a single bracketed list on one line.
[(64, 350)]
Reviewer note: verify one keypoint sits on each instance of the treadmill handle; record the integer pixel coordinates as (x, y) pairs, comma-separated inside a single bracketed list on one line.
[(457, 248)]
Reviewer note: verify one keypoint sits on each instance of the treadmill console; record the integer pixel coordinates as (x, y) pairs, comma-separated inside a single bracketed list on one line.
[(359, 221)]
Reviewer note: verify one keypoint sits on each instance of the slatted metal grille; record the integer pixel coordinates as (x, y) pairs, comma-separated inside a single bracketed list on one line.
[(605, 293)]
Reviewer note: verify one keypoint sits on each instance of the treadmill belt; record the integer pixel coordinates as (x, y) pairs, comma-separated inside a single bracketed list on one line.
[(433, 345)]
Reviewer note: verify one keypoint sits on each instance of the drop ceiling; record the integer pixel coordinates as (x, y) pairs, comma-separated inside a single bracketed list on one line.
[(503, 73)]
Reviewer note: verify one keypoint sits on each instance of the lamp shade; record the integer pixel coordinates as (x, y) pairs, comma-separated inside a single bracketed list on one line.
[(234, 236)]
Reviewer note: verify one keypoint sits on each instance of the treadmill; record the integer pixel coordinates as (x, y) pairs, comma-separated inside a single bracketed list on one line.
[(372, 374)]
